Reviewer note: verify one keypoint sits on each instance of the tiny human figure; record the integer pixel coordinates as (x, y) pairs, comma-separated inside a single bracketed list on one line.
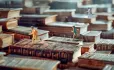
[(89, 12), (34, 34), (75, 35)]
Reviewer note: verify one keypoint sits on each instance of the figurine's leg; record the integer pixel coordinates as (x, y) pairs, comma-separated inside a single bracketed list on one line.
[(32, 40), (37, 37), (74, 36), (88, 15)]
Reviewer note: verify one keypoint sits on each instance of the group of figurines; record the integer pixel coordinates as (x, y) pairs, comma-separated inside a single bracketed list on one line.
[(35, 37)]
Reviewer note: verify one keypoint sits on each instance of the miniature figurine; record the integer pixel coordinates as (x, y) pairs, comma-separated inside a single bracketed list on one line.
[(74, 32), (34, 34), (89, 12)]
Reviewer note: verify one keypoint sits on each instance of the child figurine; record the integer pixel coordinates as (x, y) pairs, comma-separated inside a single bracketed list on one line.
[(34, 34)]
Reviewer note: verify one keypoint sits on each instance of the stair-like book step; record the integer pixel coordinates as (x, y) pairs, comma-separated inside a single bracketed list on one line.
[(104, 16), (62, 13), (102, 1), (103, 9), (87, 47), (105, 44), (101, 25), (63, 5), (108, 34), (95, 60), (34, 9), (82, 28), (91, 36), (36, 20), (83, 18), (85, 10)]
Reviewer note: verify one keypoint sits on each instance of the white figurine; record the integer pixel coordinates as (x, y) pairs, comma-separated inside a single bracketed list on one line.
[(89, 12)]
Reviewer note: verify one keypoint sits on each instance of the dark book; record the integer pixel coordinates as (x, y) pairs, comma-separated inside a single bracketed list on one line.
[(11, 3)]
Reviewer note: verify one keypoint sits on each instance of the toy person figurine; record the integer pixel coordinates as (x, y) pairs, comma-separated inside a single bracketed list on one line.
[(89, 12), (74, 32), (34, 34)]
